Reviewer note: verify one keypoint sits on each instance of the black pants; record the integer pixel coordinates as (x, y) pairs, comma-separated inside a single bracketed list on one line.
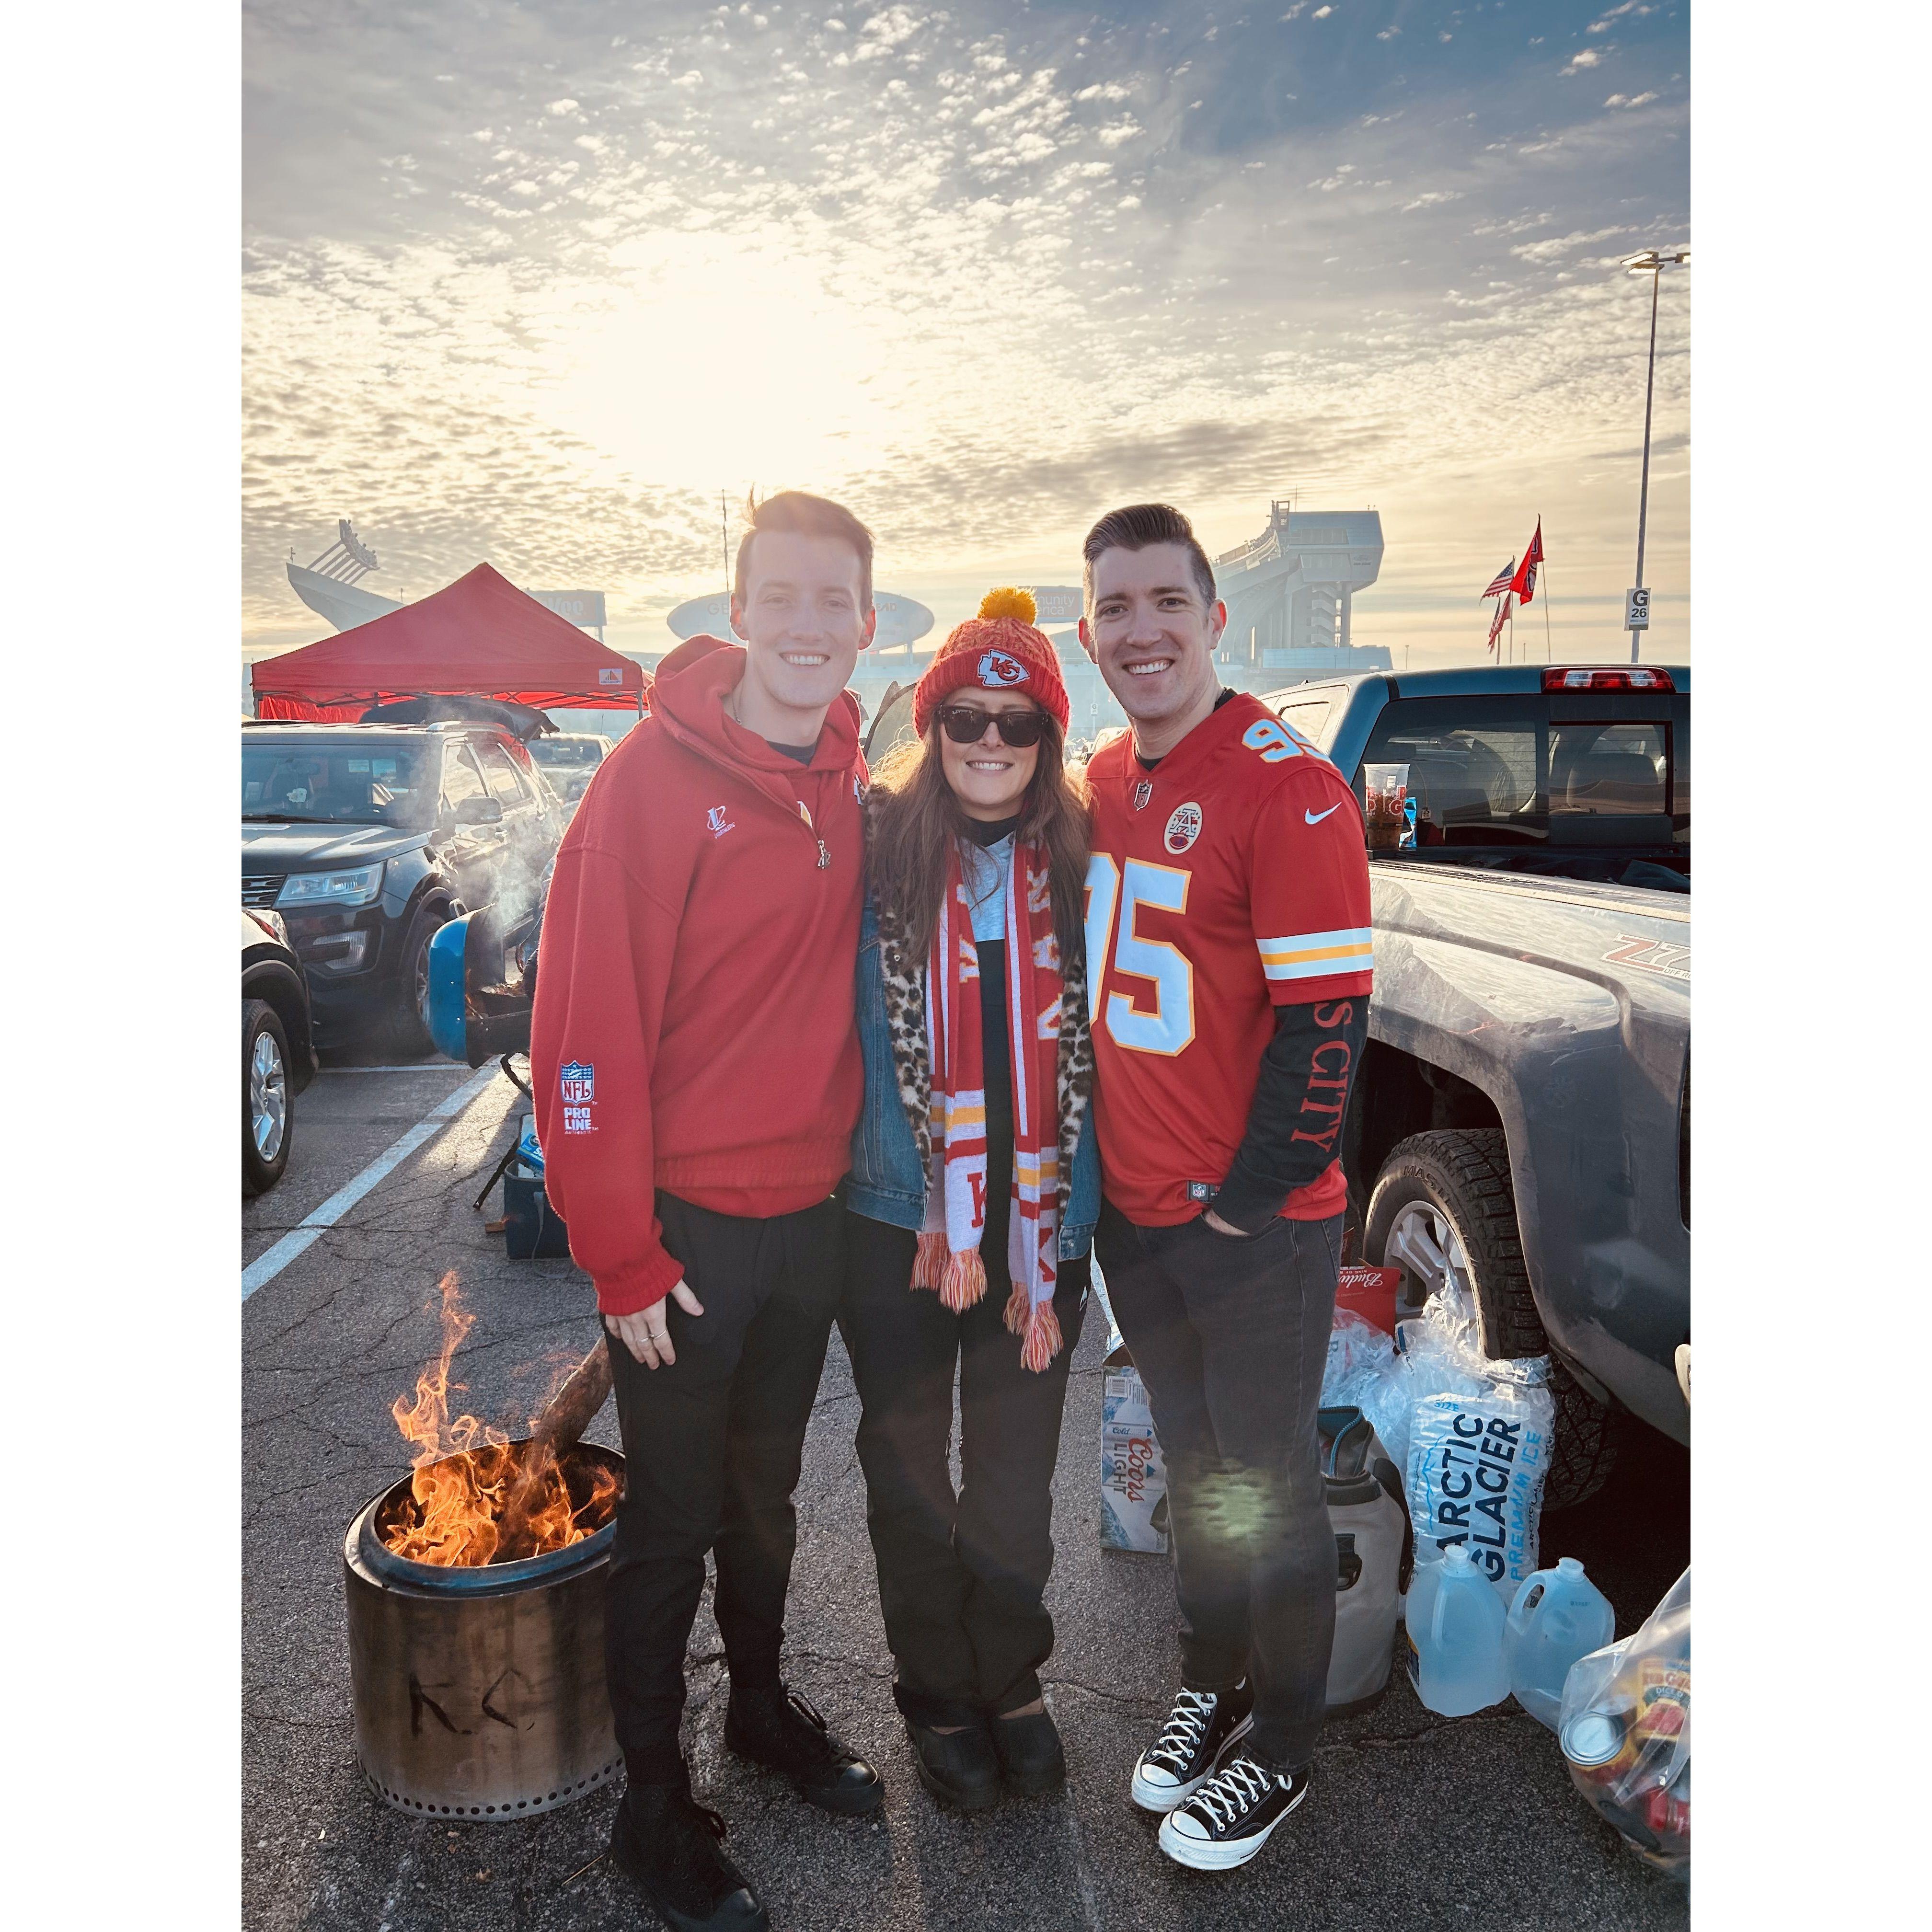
[(960, 1576), (713, 1444), (1230, 1336)]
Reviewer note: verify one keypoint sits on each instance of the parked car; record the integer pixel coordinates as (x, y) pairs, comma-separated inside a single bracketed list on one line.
[(569, 761), (367, 837), (1522, 1119), (277, 1047)]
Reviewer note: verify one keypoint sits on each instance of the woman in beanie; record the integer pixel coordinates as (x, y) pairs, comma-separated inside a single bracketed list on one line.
[(974, 1190)]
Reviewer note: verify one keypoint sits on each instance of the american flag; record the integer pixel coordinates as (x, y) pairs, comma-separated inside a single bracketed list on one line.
[(1501, 616), (1503, 579)]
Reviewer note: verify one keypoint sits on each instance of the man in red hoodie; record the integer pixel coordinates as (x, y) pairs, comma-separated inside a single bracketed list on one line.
[(698, 1078)]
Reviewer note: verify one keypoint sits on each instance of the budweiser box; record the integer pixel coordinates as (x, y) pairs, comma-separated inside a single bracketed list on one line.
[(1371, 1293), (1133, 1479)]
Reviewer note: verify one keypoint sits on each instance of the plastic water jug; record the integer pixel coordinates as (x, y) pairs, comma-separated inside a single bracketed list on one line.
[(1456, 1636), (1558, 1615), (1371, 1529)]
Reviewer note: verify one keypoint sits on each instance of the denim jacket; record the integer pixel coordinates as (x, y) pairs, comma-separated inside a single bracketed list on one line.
[(888, 1183)]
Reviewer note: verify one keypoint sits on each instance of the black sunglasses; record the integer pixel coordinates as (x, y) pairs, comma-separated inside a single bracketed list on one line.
[(966, 724)]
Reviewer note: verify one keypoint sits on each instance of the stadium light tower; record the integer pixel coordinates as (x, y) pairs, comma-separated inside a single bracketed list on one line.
[(1651, 262)]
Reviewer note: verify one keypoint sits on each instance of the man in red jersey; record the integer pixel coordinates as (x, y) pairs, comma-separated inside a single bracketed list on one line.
[(696, 1067), (1228, 958)]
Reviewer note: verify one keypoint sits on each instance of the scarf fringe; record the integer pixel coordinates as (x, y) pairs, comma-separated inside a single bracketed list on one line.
[(928, 1262), (1017, 1309), (965, 1282), (1043, 1339)]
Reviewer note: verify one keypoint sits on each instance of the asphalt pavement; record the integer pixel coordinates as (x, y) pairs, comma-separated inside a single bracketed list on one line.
[(1414, 1821)]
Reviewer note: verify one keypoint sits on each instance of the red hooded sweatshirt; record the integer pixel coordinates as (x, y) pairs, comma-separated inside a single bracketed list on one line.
[(694, 1028)]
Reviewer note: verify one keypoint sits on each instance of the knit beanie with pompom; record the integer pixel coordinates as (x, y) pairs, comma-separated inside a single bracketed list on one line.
[(998, 650)]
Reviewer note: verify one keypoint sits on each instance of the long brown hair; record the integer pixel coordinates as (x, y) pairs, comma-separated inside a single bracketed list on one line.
[(916, 817)]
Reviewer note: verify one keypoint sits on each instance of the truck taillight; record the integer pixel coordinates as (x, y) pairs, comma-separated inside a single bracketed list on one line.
[(1638, 677)]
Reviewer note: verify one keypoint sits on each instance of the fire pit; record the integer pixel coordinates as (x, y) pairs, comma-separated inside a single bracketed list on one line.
[(479, 1689)]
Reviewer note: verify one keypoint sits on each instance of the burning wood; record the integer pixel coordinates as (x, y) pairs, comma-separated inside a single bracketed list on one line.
[(476, 1497)]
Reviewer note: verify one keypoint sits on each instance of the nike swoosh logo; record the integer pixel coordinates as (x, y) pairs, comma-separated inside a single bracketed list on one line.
[(1316, 817)]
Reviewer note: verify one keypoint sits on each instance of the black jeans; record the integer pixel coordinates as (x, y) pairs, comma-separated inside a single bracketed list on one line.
[(1230, 1336), (713, 1444), (960, 1577)]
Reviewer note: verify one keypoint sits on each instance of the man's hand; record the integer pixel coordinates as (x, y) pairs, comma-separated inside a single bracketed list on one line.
[(647, 1333), (1222, 1227)]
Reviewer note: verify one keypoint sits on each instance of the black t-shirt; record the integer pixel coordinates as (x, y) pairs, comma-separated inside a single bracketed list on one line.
[(1148, 764), (802, 753)]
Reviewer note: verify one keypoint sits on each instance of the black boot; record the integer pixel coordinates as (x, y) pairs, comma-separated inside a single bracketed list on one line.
[(1030, 1753), (959, 1768), (671, 1845), (779, 1730)]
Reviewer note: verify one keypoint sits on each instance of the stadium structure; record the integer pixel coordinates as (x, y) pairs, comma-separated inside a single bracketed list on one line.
[(1289, 592)]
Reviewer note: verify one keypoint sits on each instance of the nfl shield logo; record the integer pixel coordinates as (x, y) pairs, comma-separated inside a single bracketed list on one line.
[(1142, 792), (579, 1082)]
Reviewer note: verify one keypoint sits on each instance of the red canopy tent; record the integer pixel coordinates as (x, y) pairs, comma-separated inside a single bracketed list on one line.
[(479, 637)]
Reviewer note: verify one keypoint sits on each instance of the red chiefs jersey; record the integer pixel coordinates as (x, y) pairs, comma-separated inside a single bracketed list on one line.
[(1229, 879)]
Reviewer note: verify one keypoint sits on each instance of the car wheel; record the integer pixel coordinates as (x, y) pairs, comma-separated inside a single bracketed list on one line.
[(268, 1118), (1443, 1205), (409, 1027)]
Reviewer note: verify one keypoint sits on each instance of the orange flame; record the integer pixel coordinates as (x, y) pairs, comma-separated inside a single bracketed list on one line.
[(467, 1472)]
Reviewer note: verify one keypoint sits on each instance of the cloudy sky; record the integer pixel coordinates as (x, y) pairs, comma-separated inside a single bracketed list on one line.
[(534, 284)]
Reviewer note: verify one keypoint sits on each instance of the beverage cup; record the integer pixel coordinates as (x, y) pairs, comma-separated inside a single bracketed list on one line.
[(1384, 805)]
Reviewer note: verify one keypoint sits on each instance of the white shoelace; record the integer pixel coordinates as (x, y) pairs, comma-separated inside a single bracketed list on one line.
[(1186, 1725), (1237, 1786)]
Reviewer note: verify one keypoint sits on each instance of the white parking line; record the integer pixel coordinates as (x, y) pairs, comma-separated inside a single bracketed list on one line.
[(298, 1241), (429, 1067)]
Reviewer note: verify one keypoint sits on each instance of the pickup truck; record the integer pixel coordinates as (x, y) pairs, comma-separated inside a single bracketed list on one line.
[(1522, 1119)]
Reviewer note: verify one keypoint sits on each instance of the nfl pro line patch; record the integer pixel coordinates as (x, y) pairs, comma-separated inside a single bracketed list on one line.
[(577, 1081)]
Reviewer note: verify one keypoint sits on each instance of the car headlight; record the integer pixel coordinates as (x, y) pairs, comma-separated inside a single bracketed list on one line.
[(331, 888)]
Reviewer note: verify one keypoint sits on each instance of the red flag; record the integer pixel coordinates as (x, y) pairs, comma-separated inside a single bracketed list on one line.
[(1502, 617), (1524, 582), (1501, 581)]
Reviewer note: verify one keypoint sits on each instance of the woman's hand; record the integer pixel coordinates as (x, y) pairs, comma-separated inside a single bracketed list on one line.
[(647, 1333)]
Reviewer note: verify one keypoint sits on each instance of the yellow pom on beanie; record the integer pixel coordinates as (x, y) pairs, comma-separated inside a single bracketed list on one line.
[(1007, 600)]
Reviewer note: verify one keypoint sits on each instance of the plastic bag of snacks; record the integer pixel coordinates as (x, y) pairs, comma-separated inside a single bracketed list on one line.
[(1477, 1443), (1625, 1727)]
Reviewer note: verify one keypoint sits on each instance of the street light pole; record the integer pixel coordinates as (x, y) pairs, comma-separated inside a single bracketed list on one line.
[(1643, 492), (1650, 262)]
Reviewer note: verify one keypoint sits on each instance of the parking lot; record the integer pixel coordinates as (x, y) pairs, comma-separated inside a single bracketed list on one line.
[(1414, 1821)]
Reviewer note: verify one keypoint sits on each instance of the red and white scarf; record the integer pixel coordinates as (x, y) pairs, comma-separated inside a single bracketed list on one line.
[(948, 1258)]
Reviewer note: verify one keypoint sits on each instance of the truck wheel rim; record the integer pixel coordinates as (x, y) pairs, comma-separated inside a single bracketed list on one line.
[(420, 976), (267, 1096), (1422, 1242)]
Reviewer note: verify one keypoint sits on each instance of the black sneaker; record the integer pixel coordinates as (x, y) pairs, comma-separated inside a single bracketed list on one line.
[(1228, 1820), (1030, 1753), (1202, 1725), (781, 1731), (670, 1845), (960, 1768)]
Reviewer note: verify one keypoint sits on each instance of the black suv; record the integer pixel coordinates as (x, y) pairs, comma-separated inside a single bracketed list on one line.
[(366, 837)]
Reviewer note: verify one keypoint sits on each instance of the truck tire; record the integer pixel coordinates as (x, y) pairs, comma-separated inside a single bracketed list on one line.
[(1444, 1197), (408, 1029), (268, 1123)]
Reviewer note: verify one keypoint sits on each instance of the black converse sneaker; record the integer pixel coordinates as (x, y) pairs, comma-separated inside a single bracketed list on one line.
[(1228, 1820), (1201, 1726)]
